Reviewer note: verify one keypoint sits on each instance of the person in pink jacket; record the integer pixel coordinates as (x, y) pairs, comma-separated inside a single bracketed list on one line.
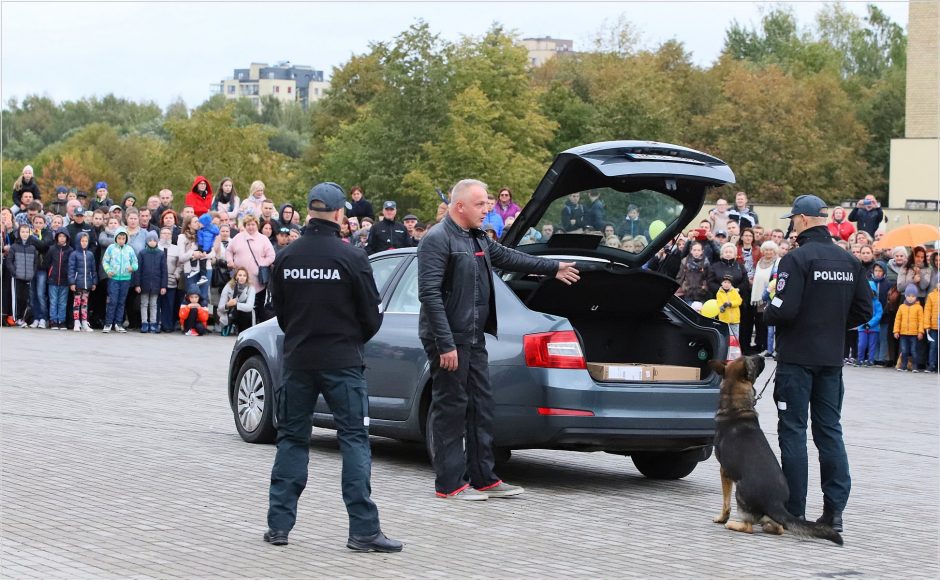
[(251, 206), (505, 206), (250, 250)]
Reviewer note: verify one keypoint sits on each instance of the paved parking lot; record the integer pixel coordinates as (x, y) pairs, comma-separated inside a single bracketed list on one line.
[(120, 458)]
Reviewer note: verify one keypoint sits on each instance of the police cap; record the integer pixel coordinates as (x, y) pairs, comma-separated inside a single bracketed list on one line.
[(330, 195), (808, 205)]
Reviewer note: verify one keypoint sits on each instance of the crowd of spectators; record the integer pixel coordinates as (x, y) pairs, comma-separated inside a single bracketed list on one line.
[(86, 262)]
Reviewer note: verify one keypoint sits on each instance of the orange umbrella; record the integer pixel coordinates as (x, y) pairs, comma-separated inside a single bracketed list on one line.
[(909, 235)]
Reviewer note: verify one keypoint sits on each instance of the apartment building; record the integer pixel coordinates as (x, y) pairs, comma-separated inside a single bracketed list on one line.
[(545, 48), (284, 81)]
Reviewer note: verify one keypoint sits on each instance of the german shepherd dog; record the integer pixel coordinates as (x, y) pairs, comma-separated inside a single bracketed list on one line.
[(748, 462)]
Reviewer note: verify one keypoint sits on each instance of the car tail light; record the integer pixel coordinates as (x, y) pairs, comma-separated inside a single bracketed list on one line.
[(565, 412), (734, 348), (553, 350)]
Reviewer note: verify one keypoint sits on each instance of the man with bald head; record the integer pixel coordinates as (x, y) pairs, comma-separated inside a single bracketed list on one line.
[(458, 307)]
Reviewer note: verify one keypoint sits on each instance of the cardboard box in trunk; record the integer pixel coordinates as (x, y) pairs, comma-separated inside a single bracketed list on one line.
[(614, 372)]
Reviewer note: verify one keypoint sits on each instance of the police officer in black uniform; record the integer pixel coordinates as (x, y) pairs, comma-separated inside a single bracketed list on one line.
[(822, 290), (328, 307), (387, 233)]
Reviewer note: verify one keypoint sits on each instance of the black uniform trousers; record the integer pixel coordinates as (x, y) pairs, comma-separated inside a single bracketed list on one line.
[(345, 392), (462, 407)]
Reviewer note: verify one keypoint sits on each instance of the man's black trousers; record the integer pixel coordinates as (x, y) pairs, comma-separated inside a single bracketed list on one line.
[(462, 408)]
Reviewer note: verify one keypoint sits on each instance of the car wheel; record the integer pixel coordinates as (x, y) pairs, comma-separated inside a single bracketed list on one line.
[(664, 465), (254, 402)]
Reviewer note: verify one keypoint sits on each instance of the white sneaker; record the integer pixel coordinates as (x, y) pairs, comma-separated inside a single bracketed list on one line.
[(466, 493), (87, 327), (78, 326), (22, 323), (42, 324), (106, 329), (501, 489), (35, 324), (120, 329)]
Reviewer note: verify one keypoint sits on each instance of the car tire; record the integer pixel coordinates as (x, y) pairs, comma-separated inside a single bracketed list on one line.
[(253, 405), (665, 465)]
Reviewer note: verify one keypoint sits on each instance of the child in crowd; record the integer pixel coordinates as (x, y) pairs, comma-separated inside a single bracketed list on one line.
[(931, 324), (83, 279), (869, 333), (56, 266), (729, 305), (237, 304), (120, 263), (150, 281), (205, 239), (193, 316), (909, 327), (22, 260)]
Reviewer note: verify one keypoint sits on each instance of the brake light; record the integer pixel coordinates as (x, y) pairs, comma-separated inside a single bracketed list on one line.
[(734, 348), (565, 412), (553, 350)]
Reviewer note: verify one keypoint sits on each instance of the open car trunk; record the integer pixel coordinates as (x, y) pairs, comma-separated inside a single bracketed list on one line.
[(628, 316)]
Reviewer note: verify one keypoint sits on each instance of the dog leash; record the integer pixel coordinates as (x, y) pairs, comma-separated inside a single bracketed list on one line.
[(770, 378)]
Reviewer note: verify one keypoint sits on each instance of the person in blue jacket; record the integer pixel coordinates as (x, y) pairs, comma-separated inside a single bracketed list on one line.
[(868, 333)]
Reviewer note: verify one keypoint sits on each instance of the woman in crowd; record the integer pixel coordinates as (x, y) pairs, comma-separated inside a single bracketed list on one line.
[(762, 272), (866, 256), (267, 230), (505, 206), (170, 302), (237, 304), (839, 226), (251, 206), (914, 271), (728, 265), (251, 250), (693, 274), (226, 197), (189, 256), (170, 219)]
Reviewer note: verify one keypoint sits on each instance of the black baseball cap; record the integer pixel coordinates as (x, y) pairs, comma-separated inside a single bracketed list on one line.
[(283, 230), (808, 205), (389, 205), (79, 211), (721, 233), (330, 195)]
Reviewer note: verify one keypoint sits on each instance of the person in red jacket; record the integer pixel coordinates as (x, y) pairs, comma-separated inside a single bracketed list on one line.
[(840, 227), (200, 196), (193, 317)]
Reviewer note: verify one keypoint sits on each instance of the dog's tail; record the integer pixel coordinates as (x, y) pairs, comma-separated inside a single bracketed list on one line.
[(805, 529)]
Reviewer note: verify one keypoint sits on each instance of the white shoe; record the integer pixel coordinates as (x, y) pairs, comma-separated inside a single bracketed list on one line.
[(35, 324), (120, 329), (87, 327), (42, 324), (106, 329), (22, 323), (78, 326)]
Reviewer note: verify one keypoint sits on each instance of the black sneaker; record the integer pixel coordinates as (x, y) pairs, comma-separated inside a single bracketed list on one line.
[(375, 543), (276, 537)]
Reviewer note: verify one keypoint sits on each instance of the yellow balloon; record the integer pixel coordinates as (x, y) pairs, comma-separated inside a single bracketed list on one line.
[(656, 228), (710, 308)]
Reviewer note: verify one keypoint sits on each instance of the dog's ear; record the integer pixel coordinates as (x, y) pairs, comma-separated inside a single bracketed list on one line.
[(717, 366), (754, 366)]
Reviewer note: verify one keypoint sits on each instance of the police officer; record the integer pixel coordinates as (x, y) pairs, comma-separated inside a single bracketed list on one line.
[(822, 290), (328, 307), (387, 233)]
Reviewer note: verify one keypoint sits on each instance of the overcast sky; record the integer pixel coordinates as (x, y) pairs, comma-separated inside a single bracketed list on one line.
[(160, 51)]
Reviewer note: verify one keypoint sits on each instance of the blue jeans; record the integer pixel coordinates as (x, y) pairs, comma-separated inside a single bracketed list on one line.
[(817, 391), (58, 300), (932, 355), (868, 345), (887, 333), (346, 393), (38, 297), (169, 309), (117, 296), (771, 334), (908, 346)]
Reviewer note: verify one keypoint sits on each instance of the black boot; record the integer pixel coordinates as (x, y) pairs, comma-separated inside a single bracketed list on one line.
[(276, 537), (831, 518), (375, 543)]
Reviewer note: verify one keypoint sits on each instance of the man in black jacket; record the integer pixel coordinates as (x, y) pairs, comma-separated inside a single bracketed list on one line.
[(458, 305), (822, 290), (328, 307), (387, 233), (868, 214)]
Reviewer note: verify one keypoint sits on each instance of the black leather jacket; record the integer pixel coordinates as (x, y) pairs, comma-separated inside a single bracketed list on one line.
[(447, 282)]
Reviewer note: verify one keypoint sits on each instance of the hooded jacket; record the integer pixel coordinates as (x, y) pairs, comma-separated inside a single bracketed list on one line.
[(932, 310), (151, 274), (120, 262), (280, 214), (23, 258), (83, 272), (75, 228), (205, 237), (910, 319), (127, 196), (199, 202), (56, 263), (876, 309)]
